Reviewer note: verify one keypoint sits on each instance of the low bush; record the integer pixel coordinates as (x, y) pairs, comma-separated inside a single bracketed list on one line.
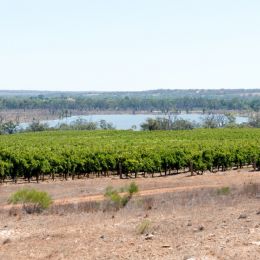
[(144, 226), (121, 200), (223, 191), (133, 188), (114, 197), (32, 200)]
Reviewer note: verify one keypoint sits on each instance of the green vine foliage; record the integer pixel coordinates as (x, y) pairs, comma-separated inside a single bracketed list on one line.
[(37, 156)]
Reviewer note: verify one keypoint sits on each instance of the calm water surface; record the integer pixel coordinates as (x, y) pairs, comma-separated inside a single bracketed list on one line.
[(126, 121)]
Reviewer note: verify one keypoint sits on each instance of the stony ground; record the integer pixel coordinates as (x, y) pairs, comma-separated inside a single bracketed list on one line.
[(193, 224)]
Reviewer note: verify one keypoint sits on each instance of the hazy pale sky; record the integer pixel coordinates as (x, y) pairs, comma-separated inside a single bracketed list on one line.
[(129, 44)]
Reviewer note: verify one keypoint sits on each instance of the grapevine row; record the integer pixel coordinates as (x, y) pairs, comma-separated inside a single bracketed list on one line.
[(75, 154)]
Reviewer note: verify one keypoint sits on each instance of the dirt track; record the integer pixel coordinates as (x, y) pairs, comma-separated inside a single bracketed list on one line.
[(139, 194), (94, 189)]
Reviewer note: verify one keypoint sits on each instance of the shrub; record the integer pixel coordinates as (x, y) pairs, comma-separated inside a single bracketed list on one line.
[(143, 226), (113, 196), (223, 191), (133, 188), (124, 200), (109, 191), (32, 200), (118, 200)]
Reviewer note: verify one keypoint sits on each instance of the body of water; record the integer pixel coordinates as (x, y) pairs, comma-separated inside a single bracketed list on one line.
[(127, 121)]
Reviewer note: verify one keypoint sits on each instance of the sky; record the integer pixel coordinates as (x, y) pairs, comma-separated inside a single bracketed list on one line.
[(110, 45)]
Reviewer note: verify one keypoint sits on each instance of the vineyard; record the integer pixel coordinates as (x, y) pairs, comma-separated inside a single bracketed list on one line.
[(78, 154)]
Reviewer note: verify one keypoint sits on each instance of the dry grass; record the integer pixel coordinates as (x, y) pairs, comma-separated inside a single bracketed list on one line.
[(225, 196), (144, 227), (86, 187), (194, 224)]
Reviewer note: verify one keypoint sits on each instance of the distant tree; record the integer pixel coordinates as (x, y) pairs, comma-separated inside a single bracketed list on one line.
[(161, 123), (150, 124), (104, 125), (9, 127), (212, 121), (231, 121), (182, 124), (36, 126), (82, 124), (254, 120), (219, 121), (230, 118)]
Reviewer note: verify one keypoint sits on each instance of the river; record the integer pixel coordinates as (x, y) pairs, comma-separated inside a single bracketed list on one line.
[(126, 121)]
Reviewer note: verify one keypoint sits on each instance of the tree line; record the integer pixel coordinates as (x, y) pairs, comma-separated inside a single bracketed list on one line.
[(135, 103), (227, 120), (11, 127)]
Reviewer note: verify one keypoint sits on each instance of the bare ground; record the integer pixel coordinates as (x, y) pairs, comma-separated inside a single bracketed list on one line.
[(80, 188), (186, 218)]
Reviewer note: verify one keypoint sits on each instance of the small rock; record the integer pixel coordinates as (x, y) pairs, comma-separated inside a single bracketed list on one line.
[(189, 258), (149, 237), (258, 212), (257, 243), (166, 246), (6, 241), (200, 228), (102, 237), (189, 224), (242, 216)]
